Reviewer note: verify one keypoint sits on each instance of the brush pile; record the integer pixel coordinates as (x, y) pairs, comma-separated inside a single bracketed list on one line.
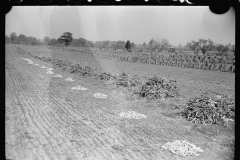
[(127, 81), (205, 110), (157, 88), (106, 76)]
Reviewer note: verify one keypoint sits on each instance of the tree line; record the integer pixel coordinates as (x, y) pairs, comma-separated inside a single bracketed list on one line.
[(203, 45)]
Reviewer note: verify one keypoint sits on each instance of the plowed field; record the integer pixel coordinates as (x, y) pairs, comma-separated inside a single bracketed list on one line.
[(46, 120)]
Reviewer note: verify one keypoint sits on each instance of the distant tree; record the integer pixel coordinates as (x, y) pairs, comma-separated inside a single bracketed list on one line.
[(133, 45), (172, 50), (194, 46), (22, 38), (157, 45), (105, 44), (139, 45), (74, 42), (46, 40), (66, 38), (32, 40), (13, 37), (53, 41), (98, 44), (128, 46), (120, 45), (7, 39), (165, 44), (222, 48), (82, 42), (205, 45), (232, 49), (90, 44), (144, 45), (151, 43)]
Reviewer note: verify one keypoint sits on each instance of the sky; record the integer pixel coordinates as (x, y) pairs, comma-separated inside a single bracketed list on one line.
[(177, 24)]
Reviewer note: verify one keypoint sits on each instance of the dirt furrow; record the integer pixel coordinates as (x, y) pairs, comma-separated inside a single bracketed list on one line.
[(42, 136), (60, 105), (46, 119)]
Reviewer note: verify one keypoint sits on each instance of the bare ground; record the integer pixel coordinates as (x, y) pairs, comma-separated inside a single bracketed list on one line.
[(45, 119)]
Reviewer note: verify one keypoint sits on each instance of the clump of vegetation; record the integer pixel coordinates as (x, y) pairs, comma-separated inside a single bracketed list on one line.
[(128, 46), (125, 80), (106, 76), (157, 88), (206, 110)]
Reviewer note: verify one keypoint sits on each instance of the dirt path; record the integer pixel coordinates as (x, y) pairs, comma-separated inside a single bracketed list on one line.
[(46, 120)]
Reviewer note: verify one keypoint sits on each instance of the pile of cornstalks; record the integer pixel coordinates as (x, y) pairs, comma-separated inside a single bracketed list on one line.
[(67, 65), (157, 88), (182, 148), (205, 110), (106, 76), (125, 80), (132, 115)]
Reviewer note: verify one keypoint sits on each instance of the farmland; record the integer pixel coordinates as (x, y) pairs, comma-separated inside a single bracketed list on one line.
[(82, 127), (190, 80)]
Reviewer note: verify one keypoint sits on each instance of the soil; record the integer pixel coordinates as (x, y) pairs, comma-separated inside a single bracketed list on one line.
[(47, 120)]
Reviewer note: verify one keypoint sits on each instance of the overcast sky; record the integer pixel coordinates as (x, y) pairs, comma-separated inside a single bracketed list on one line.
[(138, 24)]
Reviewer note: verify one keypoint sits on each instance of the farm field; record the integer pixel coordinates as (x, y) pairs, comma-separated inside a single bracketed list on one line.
[(194, 81), (45, 119)]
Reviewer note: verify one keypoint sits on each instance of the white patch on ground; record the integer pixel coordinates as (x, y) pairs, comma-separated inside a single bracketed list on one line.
[(182, 148), (30, 63), (69, 79), (43, 67), (49, 72), (50, 69), (100, 95), (132, 115), (58, 75), (79, 88)]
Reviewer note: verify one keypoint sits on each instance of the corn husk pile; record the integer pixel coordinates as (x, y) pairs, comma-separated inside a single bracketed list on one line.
[(58, 76), (49, 72), (100, 95), (132, 115), (50, 69), (182, 148), (79, 88), (29, 61), (157, 88), (206, 110), (70, 79), (43, 67)]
